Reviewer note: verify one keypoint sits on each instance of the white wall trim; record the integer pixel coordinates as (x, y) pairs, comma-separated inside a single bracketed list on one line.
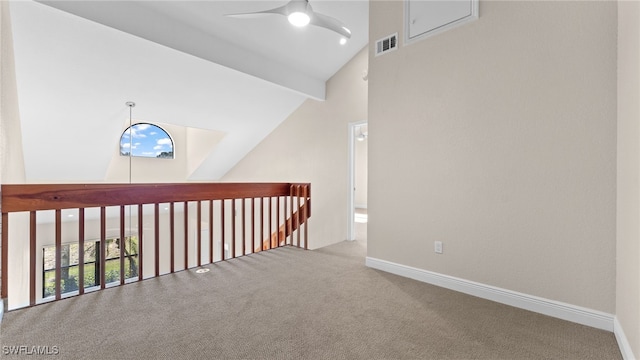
[(623, 342), (564, 311)]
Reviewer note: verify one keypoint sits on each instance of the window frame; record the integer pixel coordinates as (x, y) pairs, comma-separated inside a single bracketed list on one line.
[(133, 256), (131, 153)]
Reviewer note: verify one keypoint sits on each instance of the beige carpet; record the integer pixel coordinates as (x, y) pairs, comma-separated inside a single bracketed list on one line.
[(294, 304)]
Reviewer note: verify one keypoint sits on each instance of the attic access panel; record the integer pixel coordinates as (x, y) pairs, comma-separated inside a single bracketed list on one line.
[(426, 18)]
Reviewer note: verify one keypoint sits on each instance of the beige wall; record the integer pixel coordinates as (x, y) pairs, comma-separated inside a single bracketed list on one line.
[(498, 138), (311, 145), (628, 212)]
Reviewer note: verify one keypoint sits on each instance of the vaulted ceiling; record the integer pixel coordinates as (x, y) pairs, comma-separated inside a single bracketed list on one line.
[(182, 62)]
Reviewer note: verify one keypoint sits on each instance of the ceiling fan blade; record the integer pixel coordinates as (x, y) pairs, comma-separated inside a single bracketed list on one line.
[(248, 15), (282, 10), (330, 23), (316, 19)]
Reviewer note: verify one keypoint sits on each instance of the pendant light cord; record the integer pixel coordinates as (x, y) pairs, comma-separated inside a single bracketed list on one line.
[(130, 104)]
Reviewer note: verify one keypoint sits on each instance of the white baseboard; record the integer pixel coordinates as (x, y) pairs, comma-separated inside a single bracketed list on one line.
[(623, 342), (564, 311)]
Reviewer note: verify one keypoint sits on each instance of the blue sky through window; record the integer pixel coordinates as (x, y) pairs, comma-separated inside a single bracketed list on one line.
[(146, 140)]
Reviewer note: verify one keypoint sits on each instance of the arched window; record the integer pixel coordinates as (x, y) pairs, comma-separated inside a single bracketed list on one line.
[(146, 140)]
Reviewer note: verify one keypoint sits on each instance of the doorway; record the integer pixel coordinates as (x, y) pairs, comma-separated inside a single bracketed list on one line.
[(357, 205)]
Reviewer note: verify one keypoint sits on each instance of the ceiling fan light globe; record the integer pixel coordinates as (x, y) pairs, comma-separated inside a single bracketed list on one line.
[(299, 19)]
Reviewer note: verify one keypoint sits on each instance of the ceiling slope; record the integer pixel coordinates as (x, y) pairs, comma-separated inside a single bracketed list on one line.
[(74, 77), (267, 47)]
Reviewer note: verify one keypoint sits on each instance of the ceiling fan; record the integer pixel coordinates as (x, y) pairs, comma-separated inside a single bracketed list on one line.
[(299, 13)]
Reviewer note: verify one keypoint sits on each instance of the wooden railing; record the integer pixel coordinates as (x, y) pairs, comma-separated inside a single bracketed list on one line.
[(237, 219)]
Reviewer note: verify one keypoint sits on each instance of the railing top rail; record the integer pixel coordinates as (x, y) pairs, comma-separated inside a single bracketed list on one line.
[(34, 197)]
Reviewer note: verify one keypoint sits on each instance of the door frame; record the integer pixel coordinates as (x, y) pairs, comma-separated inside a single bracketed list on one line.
[(351, 183)]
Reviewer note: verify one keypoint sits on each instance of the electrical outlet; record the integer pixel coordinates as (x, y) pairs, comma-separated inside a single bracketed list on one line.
[(438, 247)]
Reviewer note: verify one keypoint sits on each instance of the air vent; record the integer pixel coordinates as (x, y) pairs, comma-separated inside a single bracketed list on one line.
[(387, 44)]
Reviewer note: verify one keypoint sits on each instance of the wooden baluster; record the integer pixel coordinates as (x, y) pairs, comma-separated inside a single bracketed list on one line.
[(291, 193), (80, 251), (286, 223), (261, 223), (253, 225), (298, 214), (222, 229), (233, 228), (186, 235), (32, 258), (156, 229), (270, 223), (210, 231), (278, 220), (172, 237), (58, 252), (140, 228), (199, 230), (309, 200), (244, 228), (5, 257), (122, 245), (103, 245), (304, 216)]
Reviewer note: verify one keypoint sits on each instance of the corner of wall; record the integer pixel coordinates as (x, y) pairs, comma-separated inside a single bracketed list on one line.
[(627, 326), (623, 341)]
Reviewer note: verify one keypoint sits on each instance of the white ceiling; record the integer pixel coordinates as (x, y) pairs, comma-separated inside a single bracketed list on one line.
[(200, 69)]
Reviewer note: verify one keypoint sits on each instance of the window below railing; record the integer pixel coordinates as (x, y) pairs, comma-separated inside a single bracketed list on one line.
[(70, 265)]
